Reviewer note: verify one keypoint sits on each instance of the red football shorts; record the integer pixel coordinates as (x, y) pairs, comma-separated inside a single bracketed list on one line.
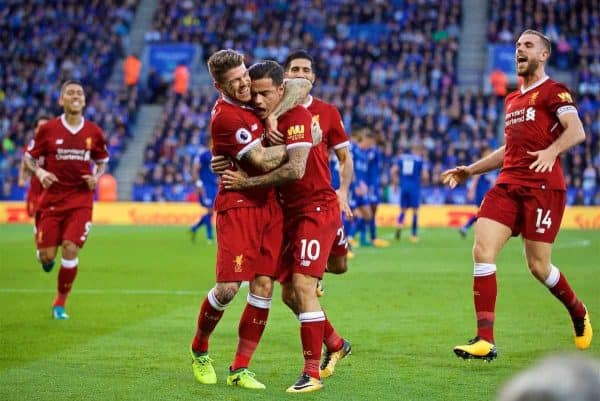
[(54, 227), (271, 243), (534, 213), (309, 239), (248, 242)]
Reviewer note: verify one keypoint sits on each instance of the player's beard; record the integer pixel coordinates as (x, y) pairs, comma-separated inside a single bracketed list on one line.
[(532, 66)]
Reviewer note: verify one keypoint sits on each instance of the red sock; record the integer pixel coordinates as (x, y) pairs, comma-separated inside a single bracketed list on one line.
[(207, 321), (485, 290), (252, 325), (333, 341), (559, 286), (66, 276), (311, 333)]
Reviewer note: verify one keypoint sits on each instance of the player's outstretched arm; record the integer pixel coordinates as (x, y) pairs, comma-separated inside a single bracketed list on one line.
[(572, 135), (291, 170), (458, 175)]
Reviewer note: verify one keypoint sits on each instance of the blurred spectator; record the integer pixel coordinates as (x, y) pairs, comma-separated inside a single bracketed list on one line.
[(556, 378), (499, 82), (132, 67), (181, 80), (157, 88)]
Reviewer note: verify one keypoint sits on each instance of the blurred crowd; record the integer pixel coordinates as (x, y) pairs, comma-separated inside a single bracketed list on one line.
[(45, 43), (388, 65)]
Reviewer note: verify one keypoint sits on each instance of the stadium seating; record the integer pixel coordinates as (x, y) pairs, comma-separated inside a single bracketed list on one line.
[(47, 43)]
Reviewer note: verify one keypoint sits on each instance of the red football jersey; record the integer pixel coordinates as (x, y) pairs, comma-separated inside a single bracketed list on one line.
[(330, 121), (235, 129), (68, 153), (314, 189), (532, 124)]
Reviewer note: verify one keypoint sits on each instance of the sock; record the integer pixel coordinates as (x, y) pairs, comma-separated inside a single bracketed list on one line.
[(401, 219), (209, 226), (350, 226), (198, 224), (332, 340), (415, 224), (559, 286), (372, 229), (211, 312), (66, 276), (252, 325), (485, 290), (362, 230), (471, 221), (311, 333)]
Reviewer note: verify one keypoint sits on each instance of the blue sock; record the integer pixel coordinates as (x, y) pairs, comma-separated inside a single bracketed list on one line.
[(401, 219), (373, 229), (209, 226), (198, 224), (471, 221), (362, 230), (415, 224), (350, 227)]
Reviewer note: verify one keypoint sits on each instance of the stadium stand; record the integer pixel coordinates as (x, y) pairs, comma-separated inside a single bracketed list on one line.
[(45, 43), (388, 65), (573, 27)]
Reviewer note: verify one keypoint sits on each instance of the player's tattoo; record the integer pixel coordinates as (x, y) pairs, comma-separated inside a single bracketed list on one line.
[(292, 170), (296, 90), (266, 159), (99, 170), (30, 164), (225, 294)]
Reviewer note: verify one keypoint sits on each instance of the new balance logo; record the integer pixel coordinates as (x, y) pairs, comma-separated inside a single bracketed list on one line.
[(530, 114)]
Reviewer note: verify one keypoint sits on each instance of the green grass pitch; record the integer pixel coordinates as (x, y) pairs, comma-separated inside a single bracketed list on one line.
[(134, 307)]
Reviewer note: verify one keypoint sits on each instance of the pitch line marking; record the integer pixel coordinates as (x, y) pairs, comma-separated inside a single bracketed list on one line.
[(104, 291)]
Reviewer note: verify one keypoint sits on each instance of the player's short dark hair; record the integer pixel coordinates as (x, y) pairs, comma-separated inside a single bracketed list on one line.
[(545, 39), (222, 61), (69, 82), (40, 118), (298, 54), (267, 69)]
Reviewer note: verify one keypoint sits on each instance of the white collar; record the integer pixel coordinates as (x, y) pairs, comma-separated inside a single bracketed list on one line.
[(308, 102), (72, 130), (535, 85)]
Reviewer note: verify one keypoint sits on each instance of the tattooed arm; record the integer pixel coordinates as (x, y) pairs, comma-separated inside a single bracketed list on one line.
[(266, 159), (296, 90), (45, 177), (291, 170)]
